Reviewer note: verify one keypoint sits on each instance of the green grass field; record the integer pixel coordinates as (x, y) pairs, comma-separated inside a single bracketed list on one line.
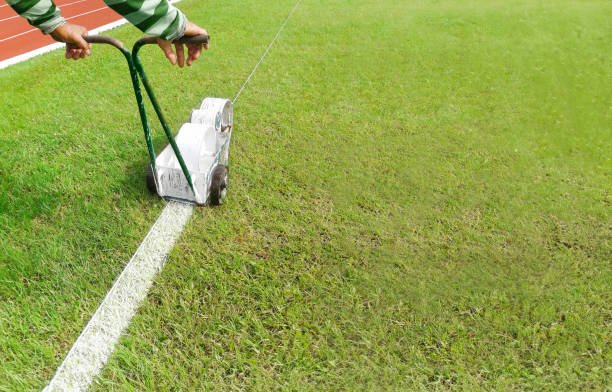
[(420, 200)]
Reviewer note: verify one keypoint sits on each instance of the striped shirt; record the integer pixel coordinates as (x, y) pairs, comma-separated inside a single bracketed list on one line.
[(155, 17)]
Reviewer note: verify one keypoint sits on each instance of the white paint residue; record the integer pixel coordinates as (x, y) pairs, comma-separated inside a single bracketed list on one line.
[(97, 341)]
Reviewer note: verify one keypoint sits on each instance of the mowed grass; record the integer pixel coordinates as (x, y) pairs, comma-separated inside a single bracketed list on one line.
[(419, 200)]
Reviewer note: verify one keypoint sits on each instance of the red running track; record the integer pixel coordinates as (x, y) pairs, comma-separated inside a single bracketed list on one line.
[(18, 37)]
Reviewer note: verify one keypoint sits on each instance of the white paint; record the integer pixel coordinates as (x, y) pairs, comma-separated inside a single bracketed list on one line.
[(97, 341)]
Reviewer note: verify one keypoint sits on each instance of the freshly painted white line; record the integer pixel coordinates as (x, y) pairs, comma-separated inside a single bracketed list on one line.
[(45, 49), (97, 341)]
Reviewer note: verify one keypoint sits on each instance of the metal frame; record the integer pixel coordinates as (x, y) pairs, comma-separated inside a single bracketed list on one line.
[(137, 74)]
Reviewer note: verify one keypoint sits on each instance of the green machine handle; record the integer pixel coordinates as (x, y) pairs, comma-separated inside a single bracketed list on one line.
[(136, 70), (100, 39), (200, 39)]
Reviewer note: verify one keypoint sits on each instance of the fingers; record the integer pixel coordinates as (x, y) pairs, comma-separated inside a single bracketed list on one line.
[(166, 47), (76, 46), (191, 29), (80, 42), (193, 51), (177, 55), (73, 52), (180, 54)]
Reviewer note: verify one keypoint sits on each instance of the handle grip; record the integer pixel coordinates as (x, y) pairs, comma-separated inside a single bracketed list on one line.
[(102, 39), (198, 39)]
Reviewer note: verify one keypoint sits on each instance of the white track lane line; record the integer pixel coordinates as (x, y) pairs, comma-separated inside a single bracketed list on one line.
[(45, 49), (56, 3), (97, 342), (63, 5), (70, 18)]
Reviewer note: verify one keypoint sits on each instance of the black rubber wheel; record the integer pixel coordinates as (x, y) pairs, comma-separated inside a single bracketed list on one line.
[(219, 184), (151, 180)]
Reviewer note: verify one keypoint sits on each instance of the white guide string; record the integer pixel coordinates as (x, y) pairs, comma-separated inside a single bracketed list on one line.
[(278, 33)]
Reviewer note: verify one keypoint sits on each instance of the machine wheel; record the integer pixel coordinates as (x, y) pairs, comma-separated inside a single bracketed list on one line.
[(151, 179), (218, 184)]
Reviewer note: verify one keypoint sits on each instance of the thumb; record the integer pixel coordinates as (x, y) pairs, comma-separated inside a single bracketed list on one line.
[(166, 47)]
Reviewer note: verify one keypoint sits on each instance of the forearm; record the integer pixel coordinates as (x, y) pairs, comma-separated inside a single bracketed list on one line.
[(155, 17), (42, 14)]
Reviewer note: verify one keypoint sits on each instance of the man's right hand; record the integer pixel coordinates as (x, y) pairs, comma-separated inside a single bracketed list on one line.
[(193, 50), (72, 35)]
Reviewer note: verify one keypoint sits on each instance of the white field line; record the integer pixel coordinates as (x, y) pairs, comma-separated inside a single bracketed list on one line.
[(45, 49), (96, 343)]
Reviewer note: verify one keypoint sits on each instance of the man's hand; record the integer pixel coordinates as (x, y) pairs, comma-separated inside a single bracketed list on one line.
[(72, 35), (193, 50)]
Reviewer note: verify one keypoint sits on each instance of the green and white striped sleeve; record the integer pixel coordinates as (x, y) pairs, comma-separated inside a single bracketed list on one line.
[(39, 13), (155, 17)]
